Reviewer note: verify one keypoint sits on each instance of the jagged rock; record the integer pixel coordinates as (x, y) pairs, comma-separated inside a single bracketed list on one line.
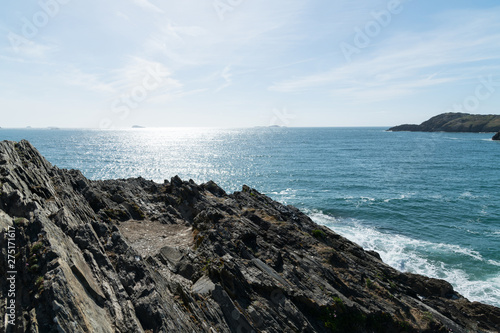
[(203, 286), (136, 256), (496, 136), (455, 122)]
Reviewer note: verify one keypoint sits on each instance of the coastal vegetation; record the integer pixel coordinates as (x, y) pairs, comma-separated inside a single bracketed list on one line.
[(454, 122)]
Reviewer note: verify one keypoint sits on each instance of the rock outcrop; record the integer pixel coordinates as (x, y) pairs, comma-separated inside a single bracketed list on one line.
[(496, 136), (137, 256), (455, 122)]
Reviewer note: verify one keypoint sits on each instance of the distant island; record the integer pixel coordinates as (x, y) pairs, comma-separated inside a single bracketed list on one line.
[(137, 126), (454, 122)]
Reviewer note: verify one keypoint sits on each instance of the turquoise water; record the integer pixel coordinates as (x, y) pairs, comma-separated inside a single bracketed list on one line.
[(427, 202)]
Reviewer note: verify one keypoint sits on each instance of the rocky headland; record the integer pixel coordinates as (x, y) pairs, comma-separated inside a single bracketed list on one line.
[(454, 122), (137, 256)]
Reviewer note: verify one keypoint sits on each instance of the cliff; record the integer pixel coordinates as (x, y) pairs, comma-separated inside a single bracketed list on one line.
[(137, 256), (455, 122)]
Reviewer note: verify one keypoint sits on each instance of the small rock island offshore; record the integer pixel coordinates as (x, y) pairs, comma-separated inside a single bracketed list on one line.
[(132, 255)]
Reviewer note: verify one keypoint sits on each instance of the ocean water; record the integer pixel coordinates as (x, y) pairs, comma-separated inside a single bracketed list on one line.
[(427, 202)]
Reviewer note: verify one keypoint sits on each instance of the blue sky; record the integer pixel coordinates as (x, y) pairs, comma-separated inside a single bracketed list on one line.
[(239, 63)]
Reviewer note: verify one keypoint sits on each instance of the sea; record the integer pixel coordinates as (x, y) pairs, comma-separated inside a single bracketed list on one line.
[(428, 203)]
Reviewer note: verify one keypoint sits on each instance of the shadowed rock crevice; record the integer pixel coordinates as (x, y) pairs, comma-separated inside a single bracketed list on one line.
[(136, 256)]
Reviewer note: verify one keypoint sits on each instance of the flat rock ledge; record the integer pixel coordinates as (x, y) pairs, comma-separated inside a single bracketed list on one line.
[(137, 256)]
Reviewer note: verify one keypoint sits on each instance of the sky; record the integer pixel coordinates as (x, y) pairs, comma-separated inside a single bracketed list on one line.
[(242, 63)]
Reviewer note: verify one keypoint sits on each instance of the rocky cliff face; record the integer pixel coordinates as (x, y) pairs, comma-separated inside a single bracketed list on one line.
[(455, 122), (136, 256)]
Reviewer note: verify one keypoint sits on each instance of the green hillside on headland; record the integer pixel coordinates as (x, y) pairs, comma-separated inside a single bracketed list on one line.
[(455, 122)]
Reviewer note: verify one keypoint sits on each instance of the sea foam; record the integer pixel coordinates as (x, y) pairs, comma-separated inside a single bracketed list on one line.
[(417, 256)]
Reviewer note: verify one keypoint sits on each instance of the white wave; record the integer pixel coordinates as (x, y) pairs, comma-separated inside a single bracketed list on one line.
[(412, 255), (467, 195), (285, 192), (369, 200), (487, 291), (494, 262), (400, 197), (284, 196)]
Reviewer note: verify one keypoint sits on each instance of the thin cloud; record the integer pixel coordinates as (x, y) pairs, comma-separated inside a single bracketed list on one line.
[(169, 96), (28, 49), (410, 61), (90, 81), (226, 75), (243, 34), (261, 54), (124, 79), (148, 5), (123, 15)]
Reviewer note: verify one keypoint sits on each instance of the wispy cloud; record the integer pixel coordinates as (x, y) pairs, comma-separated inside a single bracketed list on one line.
[(22, 47), (91, 81), (411, 61), (261, 55), (245, 33), (227, 76), (136, 72), (167, 96), (123, 15), (148, 5)]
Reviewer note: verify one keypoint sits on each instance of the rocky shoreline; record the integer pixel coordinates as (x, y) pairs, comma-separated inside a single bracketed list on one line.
[(137, 256)]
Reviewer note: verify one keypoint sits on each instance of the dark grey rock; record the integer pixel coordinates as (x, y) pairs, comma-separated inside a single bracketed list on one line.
[(136, 256)]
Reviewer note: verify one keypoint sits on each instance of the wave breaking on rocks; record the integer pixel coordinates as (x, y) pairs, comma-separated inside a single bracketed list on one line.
[(132, 255)]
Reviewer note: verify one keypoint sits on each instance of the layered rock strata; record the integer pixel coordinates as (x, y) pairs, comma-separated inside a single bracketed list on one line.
[(137, 256)]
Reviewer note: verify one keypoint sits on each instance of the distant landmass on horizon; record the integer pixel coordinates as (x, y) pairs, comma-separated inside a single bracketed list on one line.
[(454, 122)]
